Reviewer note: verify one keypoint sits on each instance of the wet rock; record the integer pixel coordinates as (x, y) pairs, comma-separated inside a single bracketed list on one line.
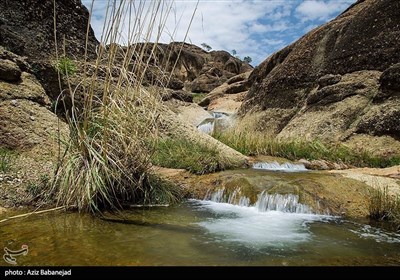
[(323, 165)]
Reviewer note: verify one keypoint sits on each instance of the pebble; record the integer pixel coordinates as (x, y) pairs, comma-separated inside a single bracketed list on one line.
[(14, 102), (32, 118)]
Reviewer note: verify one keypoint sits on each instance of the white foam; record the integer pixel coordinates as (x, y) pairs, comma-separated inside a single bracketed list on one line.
[(249, 226), (275, 166), (207, 127), (281, 202), (379, 235)]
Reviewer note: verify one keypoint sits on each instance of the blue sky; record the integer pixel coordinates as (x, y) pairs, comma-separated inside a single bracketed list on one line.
[(255, 28)]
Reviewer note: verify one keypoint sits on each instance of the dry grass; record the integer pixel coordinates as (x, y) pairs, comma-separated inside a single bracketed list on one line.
[(384, 206), (183, 154), (113, 130), (258, 143)]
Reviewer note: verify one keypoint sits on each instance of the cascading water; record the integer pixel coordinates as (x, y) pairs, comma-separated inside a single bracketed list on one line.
[(275, 166), (284, 203), (234, 198), (219, 115), (274, 220), (288, 203), (208, 125)]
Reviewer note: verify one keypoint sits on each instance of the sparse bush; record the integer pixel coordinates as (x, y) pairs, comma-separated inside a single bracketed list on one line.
[(207, 47), (7, 158), (197, 97), (247, 59), (66, 66), (39, 186)]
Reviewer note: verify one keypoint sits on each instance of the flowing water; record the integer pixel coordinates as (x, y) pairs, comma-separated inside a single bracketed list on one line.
[(276, 230), (231, 226), (275, 166), (218, 119)]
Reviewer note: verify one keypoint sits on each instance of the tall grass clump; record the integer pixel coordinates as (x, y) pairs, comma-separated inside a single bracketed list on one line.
[(179, 153), (258, 143), (113, 129), (384, 206)]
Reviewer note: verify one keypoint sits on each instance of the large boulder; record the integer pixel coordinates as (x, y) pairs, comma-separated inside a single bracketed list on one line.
[(27, 28), (25, 117), (338, 81), (228, 97)]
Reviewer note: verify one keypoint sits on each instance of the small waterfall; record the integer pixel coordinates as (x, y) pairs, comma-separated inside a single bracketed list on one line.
[(235, 197), (219, 115), (218, 119), (206, 127), (275, 166), (266, 202), (278, 202)]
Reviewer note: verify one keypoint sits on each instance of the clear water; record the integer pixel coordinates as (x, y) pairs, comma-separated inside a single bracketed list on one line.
[(199, 233)]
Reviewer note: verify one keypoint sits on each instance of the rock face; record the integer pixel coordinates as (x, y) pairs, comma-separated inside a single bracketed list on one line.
[(27, 28), (228, 97), (25, 118), (186, 66), (339, 82)]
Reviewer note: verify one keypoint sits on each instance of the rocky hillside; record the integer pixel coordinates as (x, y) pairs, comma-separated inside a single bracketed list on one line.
[(29, 84), (182, 66), (339, 82)]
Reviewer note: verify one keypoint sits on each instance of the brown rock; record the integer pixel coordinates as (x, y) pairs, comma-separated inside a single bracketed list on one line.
[(328, 80), (9, 71), (229, 96), (186, 66), (390, 78), (204, 83), (382, 119), (29, 89), (27, 28), (332, 79), (178, 94), (19, 131), (25, 120)]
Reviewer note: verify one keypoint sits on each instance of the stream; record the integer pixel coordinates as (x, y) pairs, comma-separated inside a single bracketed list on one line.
[(223, 229)]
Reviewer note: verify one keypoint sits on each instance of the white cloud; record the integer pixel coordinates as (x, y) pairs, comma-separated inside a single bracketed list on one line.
[(273, 42), (321, 10), (253, 28)]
